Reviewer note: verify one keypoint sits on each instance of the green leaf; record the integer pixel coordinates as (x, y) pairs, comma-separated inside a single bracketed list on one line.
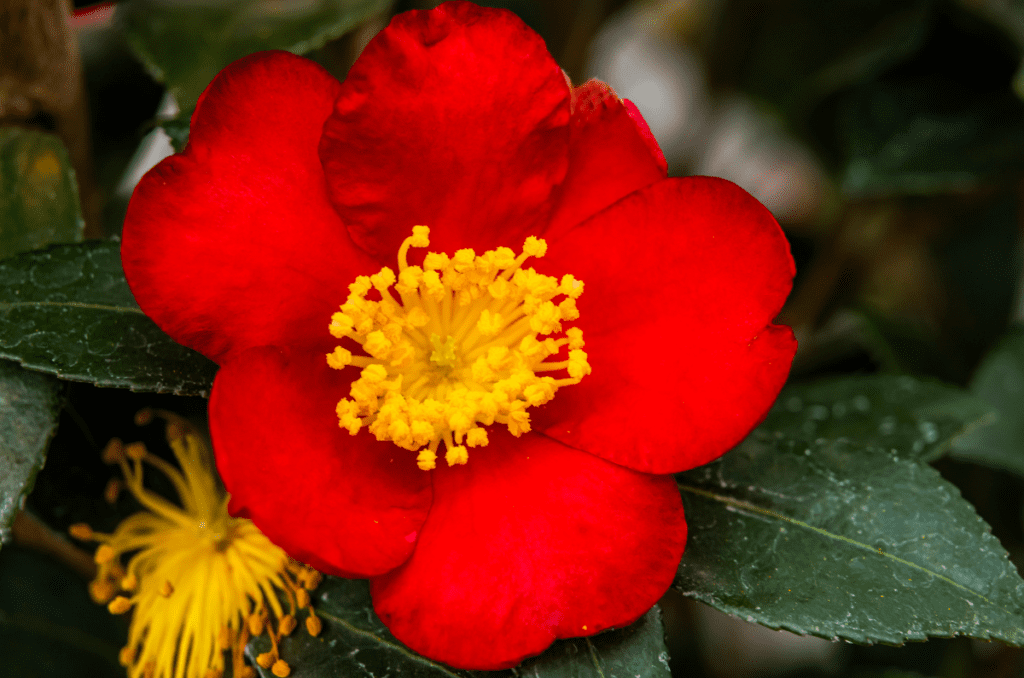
[(38, 192), (184, 45), (999, 381), (355, 644), (29, 406), (909, 137), (896, 414), (67, 311), (49, 626), (841, 538)]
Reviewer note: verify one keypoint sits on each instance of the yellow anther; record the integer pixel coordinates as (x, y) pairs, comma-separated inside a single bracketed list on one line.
[(256, 622), (539, 392), (567, 309), (465, 347), (104, 554), (456, 455), (426, 460), (578, 365), (489, 323), (266, 659), (361, 286), (287, 625), (129, 582), (435, 261), (312, 578), (384, 278), (113, 490), (102, 590), (281, 669), (377, 345), (81, 531), (313, 625), (341, 324), (302, 598), (126, 657), (166, 589), (340, 358), (575, 336), (535, 247), (119, 605), (476, 437), (420, 236), (136, 451), (113, 453), (570, 286)]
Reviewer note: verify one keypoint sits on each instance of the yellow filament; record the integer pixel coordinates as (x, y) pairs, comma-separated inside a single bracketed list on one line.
[(464, 344), (196, 577)]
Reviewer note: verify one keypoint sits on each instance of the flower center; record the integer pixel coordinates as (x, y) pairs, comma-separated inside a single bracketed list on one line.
[(460, 348)]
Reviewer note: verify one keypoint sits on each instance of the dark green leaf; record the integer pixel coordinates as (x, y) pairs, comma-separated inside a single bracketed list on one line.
[(905, 137), (355, 644), (49, 628), (185, 44), (896, 414), (806, 50), (29, 405), (38, 192), (999, 381), (68, 311), (839, 537)]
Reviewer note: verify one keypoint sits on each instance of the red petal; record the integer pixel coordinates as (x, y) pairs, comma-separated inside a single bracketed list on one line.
[(455, 118), (347, 505), (611, 154), (682, 281), (233, 243), (528, 542)]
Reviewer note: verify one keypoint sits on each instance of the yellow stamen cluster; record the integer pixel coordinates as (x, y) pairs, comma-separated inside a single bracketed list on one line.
[(200, 582), (459, 348)]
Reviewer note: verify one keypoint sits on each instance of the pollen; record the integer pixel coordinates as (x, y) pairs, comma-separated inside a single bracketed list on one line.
[(198, 583), (458, 344)]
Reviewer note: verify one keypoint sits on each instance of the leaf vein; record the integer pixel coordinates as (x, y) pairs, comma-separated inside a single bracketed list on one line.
[(351, 628), (739, 503), (6, 306)]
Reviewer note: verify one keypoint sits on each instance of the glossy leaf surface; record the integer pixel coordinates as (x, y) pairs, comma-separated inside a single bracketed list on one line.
[(29, 406), (836, 537), (355, 644), (67, 311)]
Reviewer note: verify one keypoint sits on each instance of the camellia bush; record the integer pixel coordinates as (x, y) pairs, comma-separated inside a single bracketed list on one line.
[(413, 354)]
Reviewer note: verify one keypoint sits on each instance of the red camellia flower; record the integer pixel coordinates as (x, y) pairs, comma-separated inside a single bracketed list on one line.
[(466, 326)]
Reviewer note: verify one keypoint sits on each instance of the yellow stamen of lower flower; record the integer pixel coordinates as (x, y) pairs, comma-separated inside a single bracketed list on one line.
[(196, 577), (464, 344)]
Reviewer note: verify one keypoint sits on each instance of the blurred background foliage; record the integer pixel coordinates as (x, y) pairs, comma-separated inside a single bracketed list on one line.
[(887, 136)]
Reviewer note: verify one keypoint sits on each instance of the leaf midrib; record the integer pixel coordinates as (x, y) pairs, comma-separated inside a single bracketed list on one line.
[(6, 306), (747, 506)]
